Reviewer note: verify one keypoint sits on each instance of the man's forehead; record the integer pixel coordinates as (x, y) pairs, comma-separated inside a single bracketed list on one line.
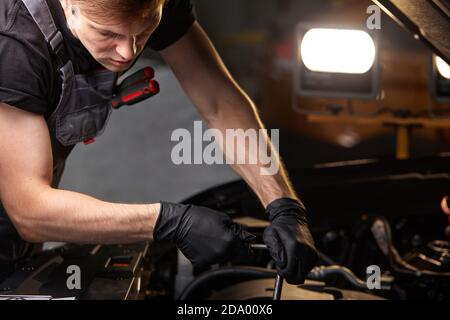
[(125, 27)]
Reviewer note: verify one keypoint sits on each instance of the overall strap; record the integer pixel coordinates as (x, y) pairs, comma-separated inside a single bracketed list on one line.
[(42, 16)]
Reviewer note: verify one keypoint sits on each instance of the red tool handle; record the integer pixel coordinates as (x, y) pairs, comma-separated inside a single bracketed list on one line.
[(135, 93), (142, 75)]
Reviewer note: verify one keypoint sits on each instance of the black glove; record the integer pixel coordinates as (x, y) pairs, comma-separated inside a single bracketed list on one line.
[(289, 240), (203, 235)]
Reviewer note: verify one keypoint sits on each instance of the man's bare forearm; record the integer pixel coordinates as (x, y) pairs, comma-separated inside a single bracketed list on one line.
[(239, 112), (223, 104), (66, 216)]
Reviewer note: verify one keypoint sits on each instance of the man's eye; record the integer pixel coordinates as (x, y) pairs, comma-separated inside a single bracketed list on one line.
[(106, 34)]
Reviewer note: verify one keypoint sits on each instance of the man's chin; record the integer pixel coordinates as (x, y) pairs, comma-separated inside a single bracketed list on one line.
[(110, 66), (116, 69)]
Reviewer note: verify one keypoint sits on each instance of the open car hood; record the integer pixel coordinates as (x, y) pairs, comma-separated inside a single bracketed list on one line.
[(427, 20)]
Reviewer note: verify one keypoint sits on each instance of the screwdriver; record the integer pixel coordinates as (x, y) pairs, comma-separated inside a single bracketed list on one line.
[(135, 93), (135, 88), (141, 75), (278, 280)]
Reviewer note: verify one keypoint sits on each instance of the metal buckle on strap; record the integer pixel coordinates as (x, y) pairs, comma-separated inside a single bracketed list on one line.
[(56, 41), (57, 44)]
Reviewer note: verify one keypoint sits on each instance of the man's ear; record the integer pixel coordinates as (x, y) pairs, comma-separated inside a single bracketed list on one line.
[(65, 4), (69, 7), (72, 14)]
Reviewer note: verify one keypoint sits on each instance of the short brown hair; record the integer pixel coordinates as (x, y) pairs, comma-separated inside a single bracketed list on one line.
[(120, 9)]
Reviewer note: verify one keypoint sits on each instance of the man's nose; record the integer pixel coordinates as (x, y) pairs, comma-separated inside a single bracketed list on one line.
[(125, 48)]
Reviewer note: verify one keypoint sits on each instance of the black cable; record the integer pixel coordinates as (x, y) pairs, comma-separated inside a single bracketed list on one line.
[(251, 273)]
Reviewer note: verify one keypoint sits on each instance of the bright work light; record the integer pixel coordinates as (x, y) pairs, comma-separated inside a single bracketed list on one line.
[(440, 80), (338, 51), (336, 62), (442, 67)]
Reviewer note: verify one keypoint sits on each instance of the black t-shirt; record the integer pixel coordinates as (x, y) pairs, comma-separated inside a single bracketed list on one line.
[(29, 76)]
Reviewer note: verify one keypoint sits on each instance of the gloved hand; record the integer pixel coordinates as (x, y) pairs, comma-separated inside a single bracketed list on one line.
[(289, 240), (203, 235)]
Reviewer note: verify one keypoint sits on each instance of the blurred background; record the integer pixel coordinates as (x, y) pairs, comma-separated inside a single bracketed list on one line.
[(364, 118), (131, 161)]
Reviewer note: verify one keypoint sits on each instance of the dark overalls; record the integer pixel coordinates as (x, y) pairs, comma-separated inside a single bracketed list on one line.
[(82, 113)]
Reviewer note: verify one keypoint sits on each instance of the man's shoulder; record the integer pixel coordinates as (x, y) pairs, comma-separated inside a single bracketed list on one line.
[(178, 17), (9, 11), (16, 21), (17, 28), (25, 63)]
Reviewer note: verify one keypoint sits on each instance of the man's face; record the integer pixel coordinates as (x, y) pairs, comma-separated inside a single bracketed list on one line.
[(114, 44)]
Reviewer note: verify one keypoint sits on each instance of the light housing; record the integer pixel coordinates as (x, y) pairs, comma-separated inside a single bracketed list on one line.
[(335, 62), (440, 79)]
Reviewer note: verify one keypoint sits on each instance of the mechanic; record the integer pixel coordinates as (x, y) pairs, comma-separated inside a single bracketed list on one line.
[(59, 63)]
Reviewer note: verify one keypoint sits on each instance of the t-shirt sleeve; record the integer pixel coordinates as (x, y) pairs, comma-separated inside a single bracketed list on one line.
[(22, 76), (178, 17)]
